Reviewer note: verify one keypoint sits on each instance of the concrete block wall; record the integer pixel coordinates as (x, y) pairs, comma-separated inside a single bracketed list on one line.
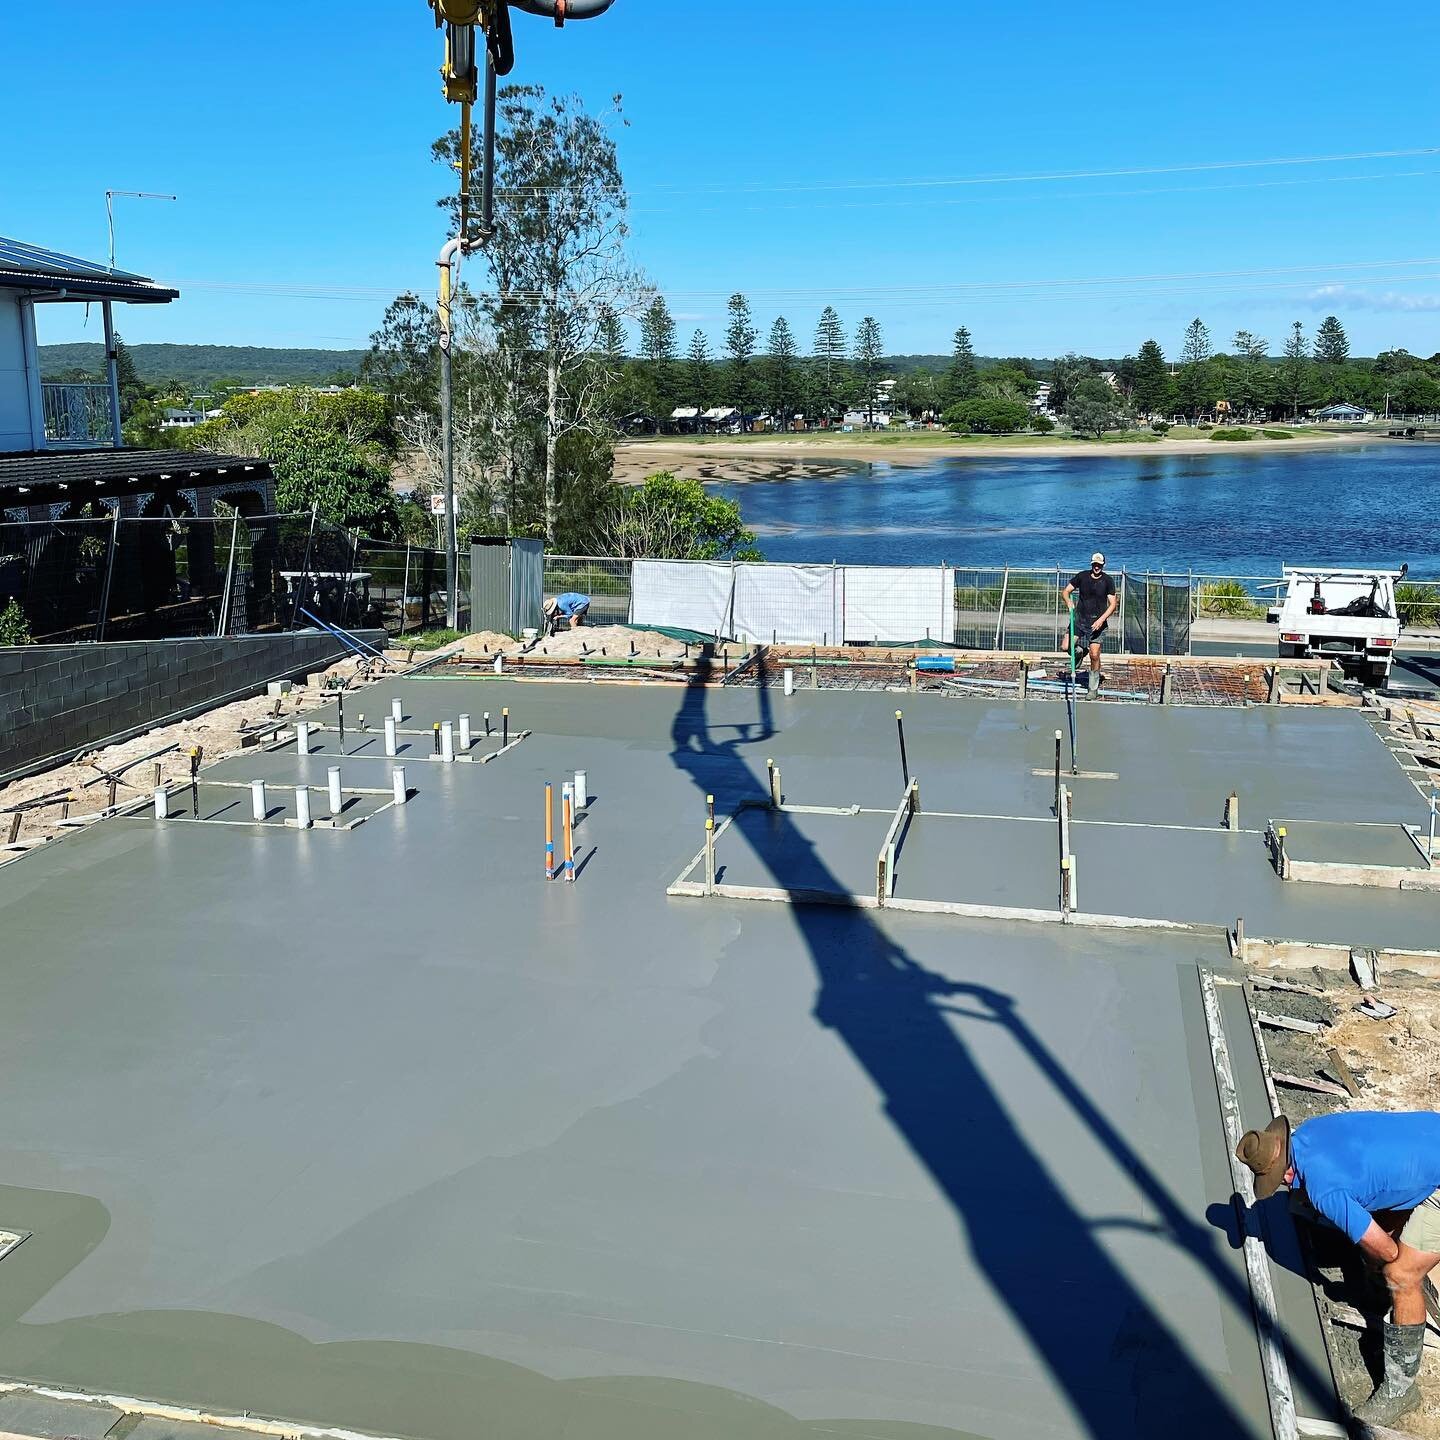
[(58, 699)]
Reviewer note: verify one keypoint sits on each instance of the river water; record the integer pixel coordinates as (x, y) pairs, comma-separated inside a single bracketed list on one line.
[(1230, 514)]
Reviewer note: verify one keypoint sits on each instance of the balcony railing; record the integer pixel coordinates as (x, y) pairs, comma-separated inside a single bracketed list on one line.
[(78, 414)]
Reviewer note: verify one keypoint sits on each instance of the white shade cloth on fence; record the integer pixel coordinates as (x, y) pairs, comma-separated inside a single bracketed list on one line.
[(690, 594), (897, 603), (794, 604)]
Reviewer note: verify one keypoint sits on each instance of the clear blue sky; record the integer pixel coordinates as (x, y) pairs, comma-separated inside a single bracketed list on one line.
[(766, 152)]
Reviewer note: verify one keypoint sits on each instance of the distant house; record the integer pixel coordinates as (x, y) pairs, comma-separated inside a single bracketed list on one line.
[(1041, 399), (720, 418), (174, 419), (685, 418), (1343, 410)]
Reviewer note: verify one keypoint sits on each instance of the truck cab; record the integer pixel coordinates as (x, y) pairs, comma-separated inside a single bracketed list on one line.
[(1344, 615)]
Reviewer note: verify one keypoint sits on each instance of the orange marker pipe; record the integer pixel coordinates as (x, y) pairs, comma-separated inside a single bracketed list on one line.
[(549, 833)]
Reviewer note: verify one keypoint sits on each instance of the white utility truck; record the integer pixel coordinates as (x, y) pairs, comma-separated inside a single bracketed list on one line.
[(1347, 616)]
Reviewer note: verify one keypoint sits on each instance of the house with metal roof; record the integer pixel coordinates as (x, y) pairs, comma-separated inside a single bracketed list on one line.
[(62, 454)]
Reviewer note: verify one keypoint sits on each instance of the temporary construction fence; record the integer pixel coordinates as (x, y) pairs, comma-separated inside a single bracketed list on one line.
[(166, 577), (795, 604), (985, 608)]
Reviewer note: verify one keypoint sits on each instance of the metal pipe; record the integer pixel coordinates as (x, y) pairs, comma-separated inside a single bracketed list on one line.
[(562, 10), (112, 359), (449, 264)]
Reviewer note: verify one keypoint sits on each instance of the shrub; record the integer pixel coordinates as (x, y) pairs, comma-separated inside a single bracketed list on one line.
[(1042, 424), (1160, 427), (986, 417), (1418, 605), (1233, 432), (1229, 598), (1277, 434), (14, 627)]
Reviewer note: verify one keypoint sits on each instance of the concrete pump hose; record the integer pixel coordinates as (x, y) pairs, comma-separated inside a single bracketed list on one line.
[(562, 10)]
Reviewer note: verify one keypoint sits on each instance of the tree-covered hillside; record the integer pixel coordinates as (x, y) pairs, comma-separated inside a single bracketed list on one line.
[(205, 364)]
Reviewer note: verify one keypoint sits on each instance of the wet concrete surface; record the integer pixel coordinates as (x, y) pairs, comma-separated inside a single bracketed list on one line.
[(1334, 844), (380, 1129)]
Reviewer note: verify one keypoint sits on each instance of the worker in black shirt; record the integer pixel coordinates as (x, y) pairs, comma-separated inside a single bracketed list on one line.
[(1097, 603)]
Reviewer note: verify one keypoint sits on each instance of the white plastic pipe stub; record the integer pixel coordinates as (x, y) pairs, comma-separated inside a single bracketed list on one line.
[(390, 741), (582, 790), (397, 711), (397, 781), (447, 742), (337, 800), (302, 807)]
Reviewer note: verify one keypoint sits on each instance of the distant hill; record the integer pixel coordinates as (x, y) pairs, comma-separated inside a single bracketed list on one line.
[(205, 364)]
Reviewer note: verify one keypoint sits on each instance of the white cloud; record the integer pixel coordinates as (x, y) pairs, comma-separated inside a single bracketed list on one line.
[(1348, 298)]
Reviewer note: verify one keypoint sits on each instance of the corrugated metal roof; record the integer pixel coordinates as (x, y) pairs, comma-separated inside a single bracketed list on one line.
[(75, 467), (32, 267)]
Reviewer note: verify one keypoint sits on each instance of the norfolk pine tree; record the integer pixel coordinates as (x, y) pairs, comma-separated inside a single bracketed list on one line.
[(961, 377), (869, 351), (699, 371), (740, 337), (1295, 369), (1194, 383), (783, 354), (1150, 387), (827, 365)]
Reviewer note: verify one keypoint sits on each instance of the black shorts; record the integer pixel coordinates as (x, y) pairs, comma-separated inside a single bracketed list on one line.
[(1089, 632)]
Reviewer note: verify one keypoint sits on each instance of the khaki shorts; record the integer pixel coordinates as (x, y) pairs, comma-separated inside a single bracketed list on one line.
[(1422, 1229)]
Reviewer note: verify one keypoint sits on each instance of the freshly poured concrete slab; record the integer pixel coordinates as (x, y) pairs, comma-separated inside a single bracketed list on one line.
[(1014, 863), (799, 851), (1340, 844), (394, 1134)]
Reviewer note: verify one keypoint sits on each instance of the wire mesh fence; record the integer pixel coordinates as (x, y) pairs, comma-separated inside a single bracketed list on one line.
[(606, 580)]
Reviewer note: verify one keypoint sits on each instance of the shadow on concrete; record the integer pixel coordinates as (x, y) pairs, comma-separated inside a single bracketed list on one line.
[(1122, 1368)]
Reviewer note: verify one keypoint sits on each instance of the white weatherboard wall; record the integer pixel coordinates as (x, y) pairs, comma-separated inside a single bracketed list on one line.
[(898, 603), (16, 378), (796, 604)]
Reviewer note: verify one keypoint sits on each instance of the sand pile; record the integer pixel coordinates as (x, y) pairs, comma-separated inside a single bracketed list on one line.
[(611, 642)]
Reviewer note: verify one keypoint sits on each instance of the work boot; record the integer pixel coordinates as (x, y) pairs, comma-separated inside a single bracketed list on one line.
[(1398, 1392), (1093, 682)]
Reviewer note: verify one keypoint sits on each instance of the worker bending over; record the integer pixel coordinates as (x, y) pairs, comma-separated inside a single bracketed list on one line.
[(569, 606), (1353, 1168), (1097, 602)]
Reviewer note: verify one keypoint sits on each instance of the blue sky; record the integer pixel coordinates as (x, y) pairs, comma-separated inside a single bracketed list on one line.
[(802, 152)]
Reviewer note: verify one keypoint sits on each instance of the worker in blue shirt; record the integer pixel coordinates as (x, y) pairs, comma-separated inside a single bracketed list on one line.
[(1352, 1166), (569, 606)]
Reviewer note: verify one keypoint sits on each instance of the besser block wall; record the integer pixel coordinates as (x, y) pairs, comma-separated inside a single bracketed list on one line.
[(56, 699)]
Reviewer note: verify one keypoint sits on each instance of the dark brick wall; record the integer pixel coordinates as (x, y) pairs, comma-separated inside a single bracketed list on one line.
[(57, 699)]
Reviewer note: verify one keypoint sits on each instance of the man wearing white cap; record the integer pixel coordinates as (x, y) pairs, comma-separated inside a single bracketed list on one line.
[(1097, 602)]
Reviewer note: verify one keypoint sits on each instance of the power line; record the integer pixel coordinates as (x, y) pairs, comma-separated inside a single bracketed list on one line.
[(1033, 178)]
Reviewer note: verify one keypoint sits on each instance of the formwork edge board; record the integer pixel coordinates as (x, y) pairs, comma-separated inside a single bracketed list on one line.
[(1257, 1266), (132, 1405)]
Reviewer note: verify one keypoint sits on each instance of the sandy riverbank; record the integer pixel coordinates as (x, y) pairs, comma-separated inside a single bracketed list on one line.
[(738, 459)]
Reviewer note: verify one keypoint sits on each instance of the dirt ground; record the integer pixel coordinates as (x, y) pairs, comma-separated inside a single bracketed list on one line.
[(1396, 1062), (220, 732)]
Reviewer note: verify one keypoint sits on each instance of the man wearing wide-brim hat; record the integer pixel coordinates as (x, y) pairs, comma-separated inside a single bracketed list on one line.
[(1351, 1166)]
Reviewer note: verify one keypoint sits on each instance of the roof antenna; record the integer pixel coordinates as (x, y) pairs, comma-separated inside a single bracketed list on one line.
[(110, 210)]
